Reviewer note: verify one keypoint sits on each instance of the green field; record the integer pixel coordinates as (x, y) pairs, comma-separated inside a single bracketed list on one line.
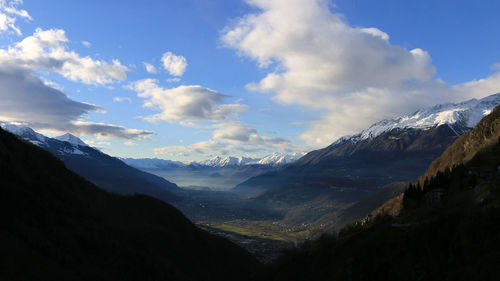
[(261, 229)]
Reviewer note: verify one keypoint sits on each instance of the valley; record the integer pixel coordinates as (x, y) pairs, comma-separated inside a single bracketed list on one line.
[(249, 140), (270, 207), (325, 189)]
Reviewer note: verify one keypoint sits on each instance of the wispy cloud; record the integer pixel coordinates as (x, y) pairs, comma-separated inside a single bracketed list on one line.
[(173, 80), (9, 13), (150, 68), (122, 99)]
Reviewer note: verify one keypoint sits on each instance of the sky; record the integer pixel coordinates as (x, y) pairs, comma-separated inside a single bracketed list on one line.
[(191, 79)]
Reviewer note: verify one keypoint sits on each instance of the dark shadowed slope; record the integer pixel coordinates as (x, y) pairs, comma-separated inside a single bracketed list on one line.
[(103, 170), (58, 226), (447, 230)]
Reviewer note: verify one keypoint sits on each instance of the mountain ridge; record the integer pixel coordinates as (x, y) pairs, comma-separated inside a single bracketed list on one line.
[(103, 170), (352, 168), (274, 160), (460, 117)]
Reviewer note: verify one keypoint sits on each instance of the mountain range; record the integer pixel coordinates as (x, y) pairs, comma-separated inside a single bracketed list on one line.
[(326, 181), (103, 170), (216, 173), (273, 160)]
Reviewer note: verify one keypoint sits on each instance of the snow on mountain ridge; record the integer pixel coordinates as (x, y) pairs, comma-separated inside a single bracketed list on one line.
[(218, 161), (25, 132), (40, 140), (468, 113), (278, 159)]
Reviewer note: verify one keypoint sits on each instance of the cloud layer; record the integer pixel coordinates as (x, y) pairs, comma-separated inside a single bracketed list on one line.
[(26, 99), (228, 138), (185, 104), (354, 75)]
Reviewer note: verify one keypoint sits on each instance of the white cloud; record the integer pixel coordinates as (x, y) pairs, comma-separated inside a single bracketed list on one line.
[(122, 99), (185, 104), (175, 65), (354, 75), (229, 138), (130, 143), (9, 14), (27, 99), (46, 50), (86, 44), (173, 80), (150, 68)]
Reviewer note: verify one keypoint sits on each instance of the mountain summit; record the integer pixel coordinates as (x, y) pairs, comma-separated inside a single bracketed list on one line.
[(71, 139), (466, 114), (390, 134)]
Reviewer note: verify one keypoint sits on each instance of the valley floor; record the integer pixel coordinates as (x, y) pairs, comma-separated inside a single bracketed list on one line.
[(259, 231), (266, 250)]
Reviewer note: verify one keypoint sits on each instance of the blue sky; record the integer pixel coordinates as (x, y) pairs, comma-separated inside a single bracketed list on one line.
[(243, 77)]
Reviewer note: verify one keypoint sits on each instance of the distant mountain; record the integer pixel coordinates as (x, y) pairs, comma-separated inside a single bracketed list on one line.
[(279, 159), (216, 173), (274, 160), (219, 161), (58, 226), (103, 170), (459, 117), (152, 163), (354, 167)]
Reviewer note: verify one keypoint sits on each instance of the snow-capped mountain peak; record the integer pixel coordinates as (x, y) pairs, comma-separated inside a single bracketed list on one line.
[(467, 114), (25, 132), (219, 161), (71, 139), (278, 159), (65, 144), (275, 159)]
